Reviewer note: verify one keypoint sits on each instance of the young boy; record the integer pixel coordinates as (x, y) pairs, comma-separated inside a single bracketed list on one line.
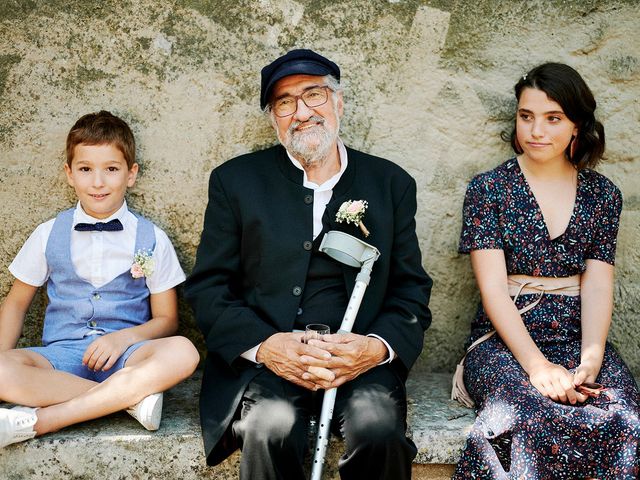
[(111, 278)]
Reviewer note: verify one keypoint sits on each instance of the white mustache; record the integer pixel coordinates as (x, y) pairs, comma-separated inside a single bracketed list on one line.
[(316, 119)]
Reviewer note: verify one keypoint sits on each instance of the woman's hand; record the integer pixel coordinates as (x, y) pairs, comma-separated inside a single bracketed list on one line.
[(586, 372), (556, 382)]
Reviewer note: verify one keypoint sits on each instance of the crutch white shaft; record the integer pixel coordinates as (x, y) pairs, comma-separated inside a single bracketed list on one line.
[(329, 400)]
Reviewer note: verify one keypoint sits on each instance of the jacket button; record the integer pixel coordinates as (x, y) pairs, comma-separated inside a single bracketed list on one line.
[(96, 296), (307, 245), (297, 291), (299, 312), (308, 199), (93, 323)]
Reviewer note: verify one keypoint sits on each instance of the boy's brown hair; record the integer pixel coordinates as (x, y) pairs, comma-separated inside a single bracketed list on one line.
[(102, 128)]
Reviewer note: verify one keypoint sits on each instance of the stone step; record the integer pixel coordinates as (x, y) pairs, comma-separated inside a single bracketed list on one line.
[(116, 447)]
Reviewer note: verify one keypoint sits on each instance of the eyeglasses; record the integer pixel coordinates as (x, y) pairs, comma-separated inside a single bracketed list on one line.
[(312, 97)]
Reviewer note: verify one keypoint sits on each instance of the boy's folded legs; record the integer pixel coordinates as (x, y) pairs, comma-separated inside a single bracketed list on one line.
[(146, 370), (67, 356), (154, 367)]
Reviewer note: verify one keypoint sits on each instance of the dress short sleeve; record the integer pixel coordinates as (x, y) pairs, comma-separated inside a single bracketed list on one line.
[(480, 216), (606, 223)]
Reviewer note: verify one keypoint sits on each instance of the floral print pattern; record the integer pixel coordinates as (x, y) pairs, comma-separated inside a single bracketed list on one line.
[(518, 433)]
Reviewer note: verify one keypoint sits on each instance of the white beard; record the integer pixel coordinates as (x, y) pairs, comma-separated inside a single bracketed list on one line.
[(312, 145)]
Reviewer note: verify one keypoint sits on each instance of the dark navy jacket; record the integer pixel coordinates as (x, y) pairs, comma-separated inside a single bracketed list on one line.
[(252, 264)]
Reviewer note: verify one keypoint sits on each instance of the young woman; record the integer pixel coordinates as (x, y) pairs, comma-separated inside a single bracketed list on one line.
[(544, 225)]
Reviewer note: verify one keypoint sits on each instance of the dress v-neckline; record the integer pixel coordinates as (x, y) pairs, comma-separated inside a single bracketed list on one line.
[(539, 209)]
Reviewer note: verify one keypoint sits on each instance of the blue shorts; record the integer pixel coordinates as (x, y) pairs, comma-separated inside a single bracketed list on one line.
[(66, 356)]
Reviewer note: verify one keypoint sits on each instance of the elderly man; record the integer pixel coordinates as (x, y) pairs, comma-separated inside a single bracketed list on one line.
[(259, 277)]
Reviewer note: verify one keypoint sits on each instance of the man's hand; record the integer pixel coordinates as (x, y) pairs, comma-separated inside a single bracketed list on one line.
[(282, 352), (352, 355), (103, 352)]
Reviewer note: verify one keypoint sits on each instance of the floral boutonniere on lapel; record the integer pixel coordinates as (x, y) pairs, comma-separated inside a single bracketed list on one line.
[(352, 211), (143, 264)]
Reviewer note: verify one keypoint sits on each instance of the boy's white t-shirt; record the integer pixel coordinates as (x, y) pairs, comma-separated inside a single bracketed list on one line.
[(99, 257)]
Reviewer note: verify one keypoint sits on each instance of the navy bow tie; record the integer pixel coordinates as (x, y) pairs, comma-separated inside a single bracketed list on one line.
[(111, 226)]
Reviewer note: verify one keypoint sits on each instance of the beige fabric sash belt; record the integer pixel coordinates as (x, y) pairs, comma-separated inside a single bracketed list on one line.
[(518, 285), (525, 284)]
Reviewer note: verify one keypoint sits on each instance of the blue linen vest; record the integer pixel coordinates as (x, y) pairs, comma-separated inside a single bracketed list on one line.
[(76, 308)]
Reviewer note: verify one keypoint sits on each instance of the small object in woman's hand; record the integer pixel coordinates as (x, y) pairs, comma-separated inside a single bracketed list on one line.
[(591, 389)]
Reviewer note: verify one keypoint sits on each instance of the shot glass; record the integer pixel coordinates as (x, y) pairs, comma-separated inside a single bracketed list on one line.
[(315, 331)]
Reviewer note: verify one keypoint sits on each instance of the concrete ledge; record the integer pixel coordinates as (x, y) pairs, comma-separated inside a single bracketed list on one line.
[(118, 448), (437, 425)]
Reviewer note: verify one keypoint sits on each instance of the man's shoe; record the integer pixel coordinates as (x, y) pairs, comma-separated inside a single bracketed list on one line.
[(148, 411), (16, 425)]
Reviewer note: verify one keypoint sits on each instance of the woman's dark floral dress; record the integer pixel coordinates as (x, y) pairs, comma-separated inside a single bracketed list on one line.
[(519, 434)]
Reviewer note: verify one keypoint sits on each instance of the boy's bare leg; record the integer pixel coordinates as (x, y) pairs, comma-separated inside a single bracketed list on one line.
[(154, 367), (27, 378)]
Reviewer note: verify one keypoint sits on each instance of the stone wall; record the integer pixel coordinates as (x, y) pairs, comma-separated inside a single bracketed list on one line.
[(428, 85)]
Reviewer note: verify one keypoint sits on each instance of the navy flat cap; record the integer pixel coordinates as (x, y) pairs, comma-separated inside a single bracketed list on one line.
[(295, 62)]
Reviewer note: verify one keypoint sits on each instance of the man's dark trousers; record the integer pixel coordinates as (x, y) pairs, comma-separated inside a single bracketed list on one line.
[(369, 414)]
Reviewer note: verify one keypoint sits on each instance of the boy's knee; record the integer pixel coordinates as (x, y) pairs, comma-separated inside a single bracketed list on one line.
[(186, 353), (4, 370), (8, 365)]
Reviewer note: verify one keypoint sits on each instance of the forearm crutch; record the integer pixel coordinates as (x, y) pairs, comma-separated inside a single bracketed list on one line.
[(354, 252)]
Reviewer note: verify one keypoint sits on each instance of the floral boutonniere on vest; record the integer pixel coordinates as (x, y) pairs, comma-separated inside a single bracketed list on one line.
[(352, 211), (143, 264)]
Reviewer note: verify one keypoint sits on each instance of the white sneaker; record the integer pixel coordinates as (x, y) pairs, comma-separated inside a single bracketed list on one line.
[(148, 411), (16, 425)]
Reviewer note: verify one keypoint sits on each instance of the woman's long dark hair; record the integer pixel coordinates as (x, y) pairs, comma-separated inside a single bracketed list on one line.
[(565, 86)]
